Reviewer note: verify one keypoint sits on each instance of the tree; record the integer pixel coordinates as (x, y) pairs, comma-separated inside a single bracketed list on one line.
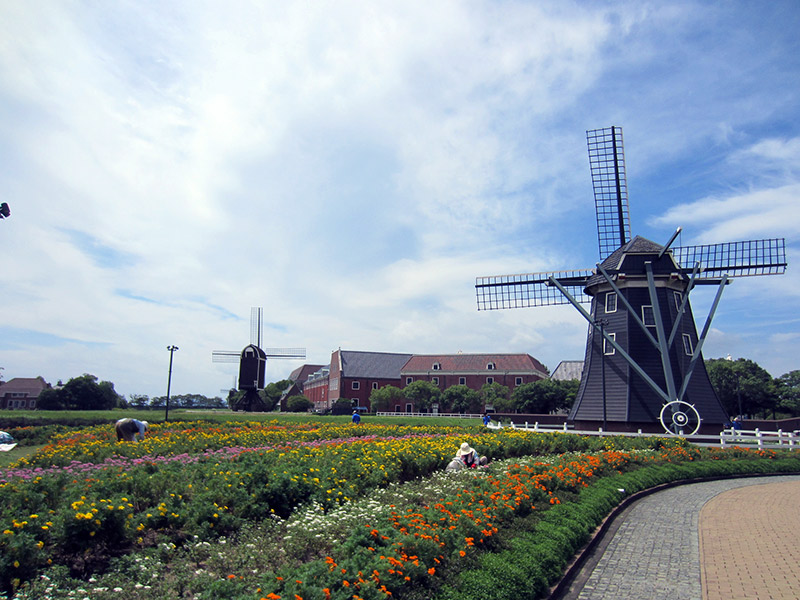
[(298, 404), (497, 395), (49, 399), (80, 393), (742, 380), (788, 388), (273, 392), (545, 396), (461, 399), (422, 394), (386, 398)]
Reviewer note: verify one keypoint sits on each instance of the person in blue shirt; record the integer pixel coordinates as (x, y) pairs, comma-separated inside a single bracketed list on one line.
[(487, 419), (356, 417)]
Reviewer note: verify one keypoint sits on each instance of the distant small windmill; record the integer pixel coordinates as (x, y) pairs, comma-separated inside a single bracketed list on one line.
[(643, 362), (253, 363)]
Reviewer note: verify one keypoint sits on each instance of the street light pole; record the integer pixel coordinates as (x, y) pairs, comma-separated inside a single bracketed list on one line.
[(169, 379)]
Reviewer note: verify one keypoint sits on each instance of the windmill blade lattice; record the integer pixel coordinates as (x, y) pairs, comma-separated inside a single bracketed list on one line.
[(225, 356), (529, 289), (607, 164), (736, 259)]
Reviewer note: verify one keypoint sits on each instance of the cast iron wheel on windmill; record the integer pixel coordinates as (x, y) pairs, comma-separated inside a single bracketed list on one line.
[(253, 363), (643, 363)]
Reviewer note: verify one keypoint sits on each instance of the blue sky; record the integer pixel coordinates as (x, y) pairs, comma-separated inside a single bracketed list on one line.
[(353, 166)]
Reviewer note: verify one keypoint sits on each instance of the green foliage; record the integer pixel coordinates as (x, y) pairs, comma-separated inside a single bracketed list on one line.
[(742, 380), (496, 395), (422, 394), (545, 396), (788, 386), (198, 513), (298, 404), (386, 398), (461, 399), (273, 391), (178, 401), (80, 393)]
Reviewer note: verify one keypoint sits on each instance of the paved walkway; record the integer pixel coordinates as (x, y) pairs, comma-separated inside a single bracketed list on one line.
[(727, 539)]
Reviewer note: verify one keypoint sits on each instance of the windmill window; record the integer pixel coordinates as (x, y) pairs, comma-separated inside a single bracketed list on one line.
[(374, 385), (687, 344), (678, 299), (648, 317), (356, 385), (611, 302), (462, 381), (490, 380), (409, 380), (518, 381), (490, 366), (608, 348), (435, 380), (436, 366)]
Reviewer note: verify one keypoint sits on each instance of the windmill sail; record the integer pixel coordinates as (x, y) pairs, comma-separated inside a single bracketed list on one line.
[(736, 259), (529, 289), (607, 164), (256, 322)]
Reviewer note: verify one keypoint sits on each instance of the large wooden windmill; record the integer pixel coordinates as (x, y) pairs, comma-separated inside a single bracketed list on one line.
[(253, 363), (644, 364)]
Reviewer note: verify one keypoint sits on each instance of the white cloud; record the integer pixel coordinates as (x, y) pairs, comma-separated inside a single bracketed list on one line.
[(349, 167)]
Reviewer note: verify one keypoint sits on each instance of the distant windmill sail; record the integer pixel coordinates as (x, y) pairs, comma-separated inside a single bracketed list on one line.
[(644, 359)]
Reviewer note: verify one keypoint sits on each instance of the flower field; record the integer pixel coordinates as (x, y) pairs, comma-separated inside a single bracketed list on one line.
[(294, 510)]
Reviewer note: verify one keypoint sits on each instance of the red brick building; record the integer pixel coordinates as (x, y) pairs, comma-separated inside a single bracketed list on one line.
[(21, 392), (473, 370), (354, 375)]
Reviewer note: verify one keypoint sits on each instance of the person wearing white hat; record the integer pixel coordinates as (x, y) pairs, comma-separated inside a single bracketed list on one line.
[(131, 430), (466, 458)]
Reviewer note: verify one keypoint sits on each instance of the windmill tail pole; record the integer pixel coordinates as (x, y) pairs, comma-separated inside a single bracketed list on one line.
[(669, 243)]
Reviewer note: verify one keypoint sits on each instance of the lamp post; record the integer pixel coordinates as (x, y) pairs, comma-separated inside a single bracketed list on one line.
[(169, 379)]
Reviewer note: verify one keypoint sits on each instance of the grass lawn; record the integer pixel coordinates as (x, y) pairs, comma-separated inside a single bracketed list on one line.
[(6, 458)]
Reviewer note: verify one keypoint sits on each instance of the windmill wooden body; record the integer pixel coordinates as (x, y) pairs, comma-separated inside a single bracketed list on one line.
[(253, 363), (643, 366)]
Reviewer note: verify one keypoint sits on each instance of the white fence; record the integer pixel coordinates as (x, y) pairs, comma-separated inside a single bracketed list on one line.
[(416, 414), (755, 438), (762, 439)]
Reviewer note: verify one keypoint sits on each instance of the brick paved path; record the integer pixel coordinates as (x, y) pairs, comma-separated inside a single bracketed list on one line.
[(653, 549), (750, 543)]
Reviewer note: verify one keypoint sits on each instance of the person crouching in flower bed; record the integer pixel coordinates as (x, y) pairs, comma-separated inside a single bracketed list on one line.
[(466, 458), (131, 430)]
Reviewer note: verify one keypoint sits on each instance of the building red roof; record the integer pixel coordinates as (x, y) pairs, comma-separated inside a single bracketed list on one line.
[(23, 387), (472, 363)]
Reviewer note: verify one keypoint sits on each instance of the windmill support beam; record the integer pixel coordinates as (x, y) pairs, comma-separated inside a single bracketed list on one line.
[(701, 340), (621, 297), (684, 304), (663, 347), (639, 371)]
